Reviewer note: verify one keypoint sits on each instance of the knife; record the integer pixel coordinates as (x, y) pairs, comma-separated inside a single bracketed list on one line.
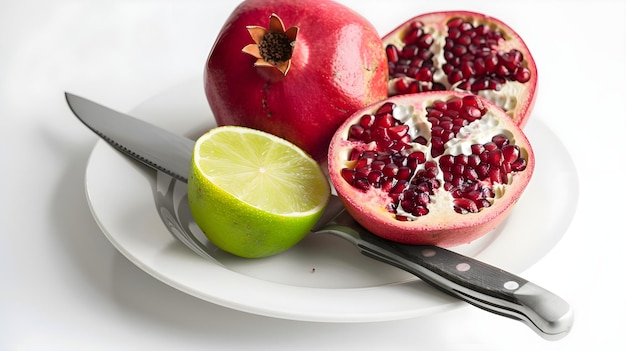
[(475, 282)]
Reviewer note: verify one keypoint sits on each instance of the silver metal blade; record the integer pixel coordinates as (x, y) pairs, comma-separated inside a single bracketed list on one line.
[(147, 143)]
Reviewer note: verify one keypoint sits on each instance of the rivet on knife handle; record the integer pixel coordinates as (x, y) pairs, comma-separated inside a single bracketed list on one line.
[(478, 283)]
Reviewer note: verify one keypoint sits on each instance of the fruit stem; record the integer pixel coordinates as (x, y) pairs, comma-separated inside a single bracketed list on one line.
[(273, 48)]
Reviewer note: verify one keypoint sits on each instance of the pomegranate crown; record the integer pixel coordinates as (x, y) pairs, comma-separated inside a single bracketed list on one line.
[(273, 46)]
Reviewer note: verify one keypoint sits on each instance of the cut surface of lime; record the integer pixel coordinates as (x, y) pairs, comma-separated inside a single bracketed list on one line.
[(252, 193), (263, 171)]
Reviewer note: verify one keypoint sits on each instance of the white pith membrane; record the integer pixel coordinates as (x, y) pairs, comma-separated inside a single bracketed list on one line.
[(441, 203), (506, 97)]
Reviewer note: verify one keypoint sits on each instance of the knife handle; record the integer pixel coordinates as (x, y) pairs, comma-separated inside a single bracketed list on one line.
[(478, 283)]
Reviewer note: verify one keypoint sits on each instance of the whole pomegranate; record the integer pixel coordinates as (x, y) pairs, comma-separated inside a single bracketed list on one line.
[(438, 168), (296, 69), (463, 51)]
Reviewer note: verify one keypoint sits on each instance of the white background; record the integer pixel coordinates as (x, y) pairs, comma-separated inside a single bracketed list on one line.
[(64, 287)]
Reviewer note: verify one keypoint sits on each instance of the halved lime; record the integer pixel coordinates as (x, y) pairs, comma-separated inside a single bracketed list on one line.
[(254, 194)]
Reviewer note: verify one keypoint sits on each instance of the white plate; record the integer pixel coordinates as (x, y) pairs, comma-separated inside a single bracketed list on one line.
[(322, 278)]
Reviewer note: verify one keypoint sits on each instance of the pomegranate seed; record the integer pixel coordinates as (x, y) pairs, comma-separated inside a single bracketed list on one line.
[(418, 156), (361, 173), (407, 205), (385, 109), (437, 147), (459, 49), (464, 40), (454, 104), (400, 186), (522, 75), (361, 184), (367, 121), (460, 159), (483, 171), (392, 53), (356, 132), (402, 86), (518, 165), (354, 155), (453, 33), (411, 36), (404, 173), (419, 211), (446, 161), (495, 158), (474, 195), (459, 122), (474, 101), (464, 205), (454, 22), (387, 183), (410, 51), (473, 160), (446, 123), (457, 169), (421, 140), (491, 62), (348, 175), (494, 175), (480, 84), (424, 187), (455, 76), (471, 113), (479, 66), (377, 165), (374, 178), (502, 70), (437, 131), (483, 203), (481, 29), (416, 24), (399, 131), (470, 174), (439, 105), (490, 146), (466, 26), (500, 140), (422, 198), (493, 85), (424, 74), (425, 40), (467, 68), (466, 85), (414, 88), (390, 170), (384, 121), (436, 113), (505, 168), (431, 172)]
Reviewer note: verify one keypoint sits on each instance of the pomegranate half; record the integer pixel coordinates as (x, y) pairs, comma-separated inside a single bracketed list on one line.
[(295, 69), (437, 168), (463, 51)]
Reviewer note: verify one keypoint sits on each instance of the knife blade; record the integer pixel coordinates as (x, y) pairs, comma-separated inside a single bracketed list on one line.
[(146, 143), (478, 283)]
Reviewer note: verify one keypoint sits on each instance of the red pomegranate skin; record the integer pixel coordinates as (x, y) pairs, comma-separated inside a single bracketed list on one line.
[(445, 228), (338, 65)]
